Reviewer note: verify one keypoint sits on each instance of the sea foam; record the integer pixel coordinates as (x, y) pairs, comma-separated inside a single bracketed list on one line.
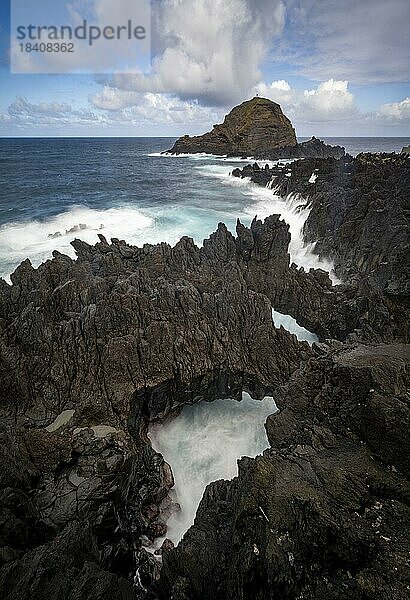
[(37, 239), (292, 209), (167, 221), (203, 445)]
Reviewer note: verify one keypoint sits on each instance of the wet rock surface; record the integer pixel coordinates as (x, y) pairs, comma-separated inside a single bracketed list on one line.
[(92, 350), (318, 515), (354, 203), (359, 218)]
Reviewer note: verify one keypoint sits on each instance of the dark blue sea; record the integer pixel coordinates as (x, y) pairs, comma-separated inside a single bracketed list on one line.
[(55, 189)]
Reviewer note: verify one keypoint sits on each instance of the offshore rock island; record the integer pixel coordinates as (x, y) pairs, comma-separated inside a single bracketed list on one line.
[(256, 128), (93, 350)]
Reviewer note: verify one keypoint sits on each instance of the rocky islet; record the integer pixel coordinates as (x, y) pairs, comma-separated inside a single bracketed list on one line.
[(256, 128)]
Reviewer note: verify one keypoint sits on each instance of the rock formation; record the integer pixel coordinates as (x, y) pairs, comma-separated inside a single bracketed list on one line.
[(92, 350), (313, 148), (358, 215), (358, 218), (255, 128), (320, 513)]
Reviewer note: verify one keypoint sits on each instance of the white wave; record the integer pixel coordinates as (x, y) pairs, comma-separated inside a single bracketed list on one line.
[(225, 177), (194, 156), (223, 158), (265, 202), (291, 325), (154, 224), (202, 444), (215, 171), (294, 212), (166, 222), (37, 239)]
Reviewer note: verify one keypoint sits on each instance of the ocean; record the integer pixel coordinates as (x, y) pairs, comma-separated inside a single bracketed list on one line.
[(55, 189)]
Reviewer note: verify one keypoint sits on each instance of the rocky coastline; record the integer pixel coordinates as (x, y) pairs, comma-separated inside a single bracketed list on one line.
[(93, 350), (368, 193)]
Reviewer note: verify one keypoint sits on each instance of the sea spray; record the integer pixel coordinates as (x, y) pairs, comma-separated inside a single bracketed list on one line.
[(202, 444), (37, 239), (264, 202), (135, 197)]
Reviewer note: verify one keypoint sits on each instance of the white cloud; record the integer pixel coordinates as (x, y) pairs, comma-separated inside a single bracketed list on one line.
[(162, 109), (330, 101), (90, 53), (396, 111), (120, 109), (280, 85), (278, 91), (23, 113), (328, 109), (155, 108), (114, 99), (209, 50), (20, 107)]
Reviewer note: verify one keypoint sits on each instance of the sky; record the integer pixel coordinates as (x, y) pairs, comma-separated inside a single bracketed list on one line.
[(336, 68)]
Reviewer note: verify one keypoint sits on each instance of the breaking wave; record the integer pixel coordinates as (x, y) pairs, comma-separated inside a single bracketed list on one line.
[(37, 239), (292, 209), (162, 214)]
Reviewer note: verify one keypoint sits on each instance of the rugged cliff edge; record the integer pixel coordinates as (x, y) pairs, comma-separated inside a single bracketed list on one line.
[(255, 128), (322, 513), (92, 350), (358, 217)]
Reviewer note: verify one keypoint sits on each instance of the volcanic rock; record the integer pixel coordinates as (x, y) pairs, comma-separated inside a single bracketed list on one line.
[(354, 220), (252, 128), (92, 350), (255, 128), (317, 515)]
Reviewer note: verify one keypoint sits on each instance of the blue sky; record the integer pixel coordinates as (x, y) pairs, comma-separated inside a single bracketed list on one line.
[(335, 68)]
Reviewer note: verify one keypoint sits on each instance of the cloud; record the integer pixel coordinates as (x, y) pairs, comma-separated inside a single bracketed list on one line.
[(112, 108), (20, 107), (330, 109), (94, 49), (210, 50), (115, 99), (154, 108), (398, 112), (162, 109), (23, 113), (363, 42), (329, 101)]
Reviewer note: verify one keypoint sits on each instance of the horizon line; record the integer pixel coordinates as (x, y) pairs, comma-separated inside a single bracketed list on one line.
[(17, 137)]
